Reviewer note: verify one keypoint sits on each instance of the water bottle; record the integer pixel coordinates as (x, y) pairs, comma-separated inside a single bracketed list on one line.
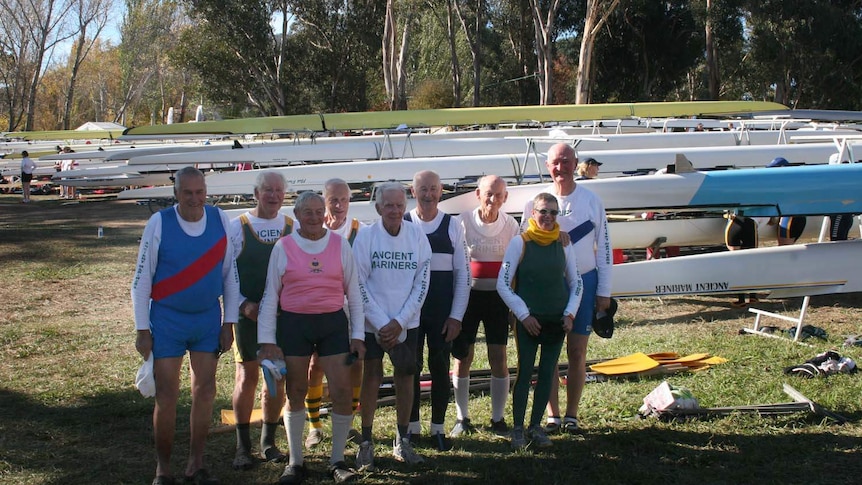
[(100, 233), (273, 372)]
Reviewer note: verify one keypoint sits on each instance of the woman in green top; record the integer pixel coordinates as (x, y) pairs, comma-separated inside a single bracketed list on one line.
[(539, 282)]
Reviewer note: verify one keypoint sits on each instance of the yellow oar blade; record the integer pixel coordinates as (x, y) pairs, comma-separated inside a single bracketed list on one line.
[(638, 362), (686, 359)]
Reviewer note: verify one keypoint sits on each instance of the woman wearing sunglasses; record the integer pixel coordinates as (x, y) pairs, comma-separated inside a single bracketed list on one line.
[(539, 282)]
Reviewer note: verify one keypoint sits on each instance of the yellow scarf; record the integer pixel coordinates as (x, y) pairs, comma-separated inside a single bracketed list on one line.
[(540, 236)]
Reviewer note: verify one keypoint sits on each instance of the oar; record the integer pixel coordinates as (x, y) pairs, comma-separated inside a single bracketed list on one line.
[(630, 364)]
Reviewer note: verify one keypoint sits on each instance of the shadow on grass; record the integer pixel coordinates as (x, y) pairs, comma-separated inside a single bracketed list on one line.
[(107, 439), (651, 455)]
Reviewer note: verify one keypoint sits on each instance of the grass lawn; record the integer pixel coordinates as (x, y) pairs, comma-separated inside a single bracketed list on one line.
[(69, 412)]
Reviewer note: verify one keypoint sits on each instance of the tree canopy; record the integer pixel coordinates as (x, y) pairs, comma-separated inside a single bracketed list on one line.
[(271, 57)]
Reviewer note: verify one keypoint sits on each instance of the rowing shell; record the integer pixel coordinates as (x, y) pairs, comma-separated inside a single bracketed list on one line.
[(778, 272), (451, 170), (492, 115), (802, 190)]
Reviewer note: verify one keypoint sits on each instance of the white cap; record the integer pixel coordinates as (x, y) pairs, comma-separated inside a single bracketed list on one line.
[(144, 381)]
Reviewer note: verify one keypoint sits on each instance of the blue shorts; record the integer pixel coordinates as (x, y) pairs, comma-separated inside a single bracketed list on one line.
[(175, 332), (583, 324)]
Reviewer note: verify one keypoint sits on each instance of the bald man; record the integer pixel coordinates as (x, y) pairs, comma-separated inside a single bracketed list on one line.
[(487, 232), (444, 308)]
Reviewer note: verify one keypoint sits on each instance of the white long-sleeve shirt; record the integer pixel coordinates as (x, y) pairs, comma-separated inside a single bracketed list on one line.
[(27, 165), (594, 251), (394, 273), (278, 263), (148, 252), (487, 242), (460, 261), (509, 270)]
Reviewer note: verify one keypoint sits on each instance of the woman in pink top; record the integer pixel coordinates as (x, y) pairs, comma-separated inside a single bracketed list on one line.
[(302, 311)]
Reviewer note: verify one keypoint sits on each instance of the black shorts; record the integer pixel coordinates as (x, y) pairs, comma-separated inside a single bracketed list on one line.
[(26, 177), (245, 340), (791, 227), (489, 308), (741, 232), (300, 335), (400, 361)]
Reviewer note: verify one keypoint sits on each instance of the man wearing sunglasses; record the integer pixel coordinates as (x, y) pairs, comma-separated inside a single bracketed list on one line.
[(582, 216)]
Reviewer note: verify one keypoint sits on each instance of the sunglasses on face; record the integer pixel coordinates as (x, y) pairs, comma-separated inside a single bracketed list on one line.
[(545, 212)]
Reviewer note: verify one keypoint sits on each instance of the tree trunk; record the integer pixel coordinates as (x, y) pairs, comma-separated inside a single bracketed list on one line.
[(73, 79), (543, 25), (453, 51), (597, 15), (388, 53), (713, 79), (401, 101), (394, 70)]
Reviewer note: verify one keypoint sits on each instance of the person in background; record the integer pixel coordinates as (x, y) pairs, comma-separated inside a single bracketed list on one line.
[(336, 195), (789, 227), (27, 168), (582, 216), (185, 265), (839, 226), (253, 236), (393, 262), (539, 282), (68, 164), (444, 307), (741, 233), (588, 169), (487, 231)]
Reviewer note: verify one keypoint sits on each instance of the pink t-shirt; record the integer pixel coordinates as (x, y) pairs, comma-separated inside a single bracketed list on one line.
[(312, 283)]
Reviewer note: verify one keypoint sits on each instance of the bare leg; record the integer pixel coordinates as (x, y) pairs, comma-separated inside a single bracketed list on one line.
[(246, 379), (497, 360), (403, 398), (341, 392), (167, 375), (372, 377), (554, 398), (461, 368), (576, 347), (203, 365)]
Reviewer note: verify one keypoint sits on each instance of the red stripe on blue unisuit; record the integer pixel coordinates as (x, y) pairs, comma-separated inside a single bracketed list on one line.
[(191, 273)]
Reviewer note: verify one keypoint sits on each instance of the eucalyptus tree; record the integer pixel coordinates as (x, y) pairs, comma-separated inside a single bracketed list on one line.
[(597, 13), (147, 35), (88, 19), (806, 54), (514, 22), (719, 74), (473, 16), (543, 13), (234, 47), (653, 47), (32, 30), (398, 26), (339, 55)]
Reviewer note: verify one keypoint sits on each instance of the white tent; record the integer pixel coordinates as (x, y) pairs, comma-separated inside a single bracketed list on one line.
[(99, 126)]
